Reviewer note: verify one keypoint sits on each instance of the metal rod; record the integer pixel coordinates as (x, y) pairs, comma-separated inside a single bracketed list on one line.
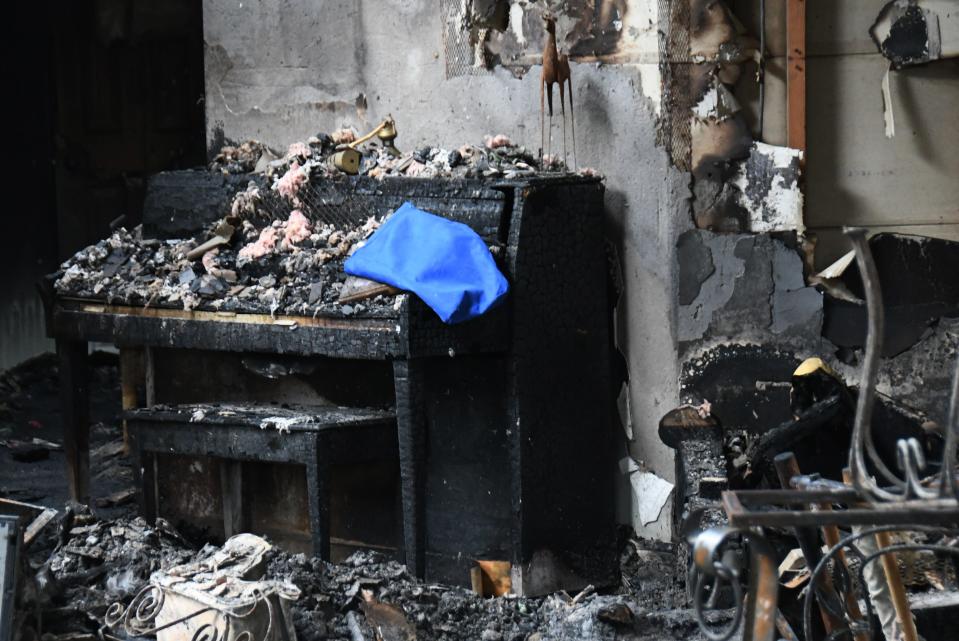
[(786, 468), (846, 542), (862, 427)]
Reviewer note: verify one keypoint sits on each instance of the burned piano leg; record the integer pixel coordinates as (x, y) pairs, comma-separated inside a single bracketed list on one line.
[(144, 478), (411, 432), (231, 491), (318, 491), (75, 410)]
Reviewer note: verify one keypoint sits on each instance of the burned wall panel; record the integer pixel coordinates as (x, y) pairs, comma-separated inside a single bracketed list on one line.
[(920, 378), (755, 292)]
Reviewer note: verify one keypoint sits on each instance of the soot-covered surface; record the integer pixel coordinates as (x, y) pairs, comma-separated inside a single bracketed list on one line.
[(85, 564), (302, 277)]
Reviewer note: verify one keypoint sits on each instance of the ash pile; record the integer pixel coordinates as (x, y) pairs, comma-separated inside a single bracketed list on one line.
[(90, 579), (285, 267), (279, 242)]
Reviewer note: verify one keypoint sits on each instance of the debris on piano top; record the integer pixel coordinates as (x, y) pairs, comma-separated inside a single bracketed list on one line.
[(496, 158), (287, 267), (281, 244)]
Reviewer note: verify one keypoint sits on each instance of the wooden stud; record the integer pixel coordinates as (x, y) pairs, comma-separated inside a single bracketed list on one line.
[(796, 74), (896, 589)]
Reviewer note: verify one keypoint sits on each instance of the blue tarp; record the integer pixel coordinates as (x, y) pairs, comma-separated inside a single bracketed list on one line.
[(443, 262)]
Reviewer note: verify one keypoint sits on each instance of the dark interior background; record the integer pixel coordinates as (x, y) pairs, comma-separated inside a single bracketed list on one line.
[(105, 93)]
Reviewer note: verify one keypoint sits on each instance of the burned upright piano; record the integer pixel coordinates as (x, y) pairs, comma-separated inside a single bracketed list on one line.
[(498, 427)]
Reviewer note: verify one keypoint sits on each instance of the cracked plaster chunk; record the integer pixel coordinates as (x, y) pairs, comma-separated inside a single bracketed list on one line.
[(768, 188)]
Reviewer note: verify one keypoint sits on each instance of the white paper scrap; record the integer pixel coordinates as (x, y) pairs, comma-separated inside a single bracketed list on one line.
[(651, 492)]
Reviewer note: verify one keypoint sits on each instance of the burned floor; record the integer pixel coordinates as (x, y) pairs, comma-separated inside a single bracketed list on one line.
[(91, 557)]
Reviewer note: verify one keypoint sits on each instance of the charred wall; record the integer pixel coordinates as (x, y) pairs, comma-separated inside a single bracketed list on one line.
[(706, 223), (280, 72), (751, 305)]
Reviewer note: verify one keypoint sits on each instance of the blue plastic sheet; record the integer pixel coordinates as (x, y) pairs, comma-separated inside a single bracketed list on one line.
[(443, 262)]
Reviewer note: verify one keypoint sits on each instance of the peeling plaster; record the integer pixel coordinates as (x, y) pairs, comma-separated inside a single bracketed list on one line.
[(718, 103), (621, 32), (516, 23), (755, 291)]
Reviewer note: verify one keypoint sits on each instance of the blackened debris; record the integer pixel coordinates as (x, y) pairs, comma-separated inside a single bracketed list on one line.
[(283, 279), (180, 202), (747, 385), (95, 564), (919, 286)]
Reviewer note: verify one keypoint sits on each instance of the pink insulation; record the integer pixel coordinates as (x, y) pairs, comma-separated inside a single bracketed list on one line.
[(209, 260), (343, 136), (263, 245), (299, 149), (298, 229), (499, 140), (291, 181)]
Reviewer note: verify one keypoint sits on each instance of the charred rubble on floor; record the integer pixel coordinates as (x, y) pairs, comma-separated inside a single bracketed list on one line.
[(82, 565)]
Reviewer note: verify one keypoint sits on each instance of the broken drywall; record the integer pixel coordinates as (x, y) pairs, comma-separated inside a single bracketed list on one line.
[(746, 288), (914, 32), (650, 492), (717, 45), (715, 34)]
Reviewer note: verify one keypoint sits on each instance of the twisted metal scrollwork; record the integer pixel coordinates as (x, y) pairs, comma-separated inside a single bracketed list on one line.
[(910, 457), (714, 558), (138, 618), (848, 544), (903, 491)]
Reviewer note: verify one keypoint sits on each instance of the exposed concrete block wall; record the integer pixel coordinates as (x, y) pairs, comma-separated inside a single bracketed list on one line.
[(282, 71)]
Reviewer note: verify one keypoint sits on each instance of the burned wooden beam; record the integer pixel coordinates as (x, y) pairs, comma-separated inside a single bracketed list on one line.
[(782, 437)]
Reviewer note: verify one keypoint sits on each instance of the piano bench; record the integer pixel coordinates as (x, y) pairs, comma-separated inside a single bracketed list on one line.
[(312, 437)]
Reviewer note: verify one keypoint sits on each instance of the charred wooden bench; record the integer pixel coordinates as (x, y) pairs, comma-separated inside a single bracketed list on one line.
[(312, 437), (505, 447)]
